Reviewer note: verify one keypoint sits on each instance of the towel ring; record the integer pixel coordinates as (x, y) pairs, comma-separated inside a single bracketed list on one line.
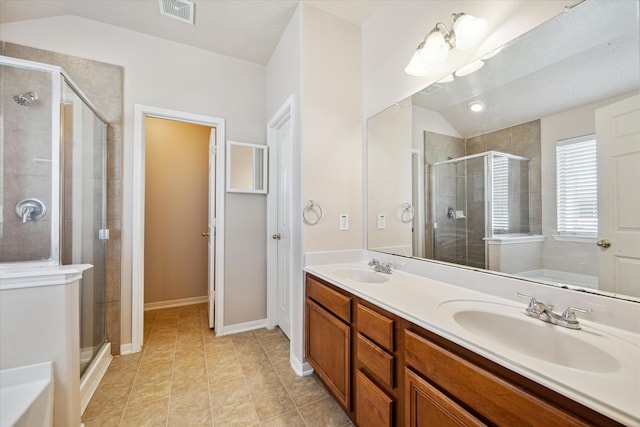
[(310, 208), (408, 212)]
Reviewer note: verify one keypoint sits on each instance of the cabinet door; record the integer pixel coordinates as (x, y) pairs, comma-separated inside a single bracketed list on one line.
[(328, 350), (426, 406)]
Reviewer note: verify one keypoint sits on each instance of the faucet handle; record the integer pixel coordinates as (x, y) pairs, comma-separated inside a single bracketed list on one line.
[(569, 314), (374, 262), (535, 307)]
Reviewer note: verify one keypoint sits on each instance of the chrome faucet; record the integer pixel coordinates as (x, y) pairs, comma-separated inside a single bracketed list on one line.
[(544, 312), (384, 267)]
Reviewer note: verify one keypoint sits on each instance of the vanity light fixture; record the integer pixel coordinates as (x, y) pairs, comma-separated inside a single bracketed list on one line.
[(477, 106), (470, 68), (466, 31)]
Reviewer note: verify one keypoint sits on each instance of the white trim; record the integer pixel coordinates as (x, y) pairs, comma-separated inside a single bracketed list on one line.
[(243, 327), (137, 261), (175, 303), (126, 349), (302, 369), (93, 375), (575, 239)]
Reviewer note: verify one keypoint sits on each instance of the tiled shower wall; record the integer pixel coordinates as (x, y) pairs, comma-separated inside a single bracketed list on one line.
[(26, 164), (103, 85)]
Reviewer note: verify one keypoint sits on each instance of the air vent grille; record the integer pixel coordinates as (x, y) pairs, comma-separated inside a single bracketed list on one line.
[(178, 9)]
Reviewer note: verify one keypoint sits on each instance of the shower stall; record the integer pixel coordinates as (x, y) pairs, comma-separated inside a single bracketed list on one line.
[(474, 198), (53, 185)]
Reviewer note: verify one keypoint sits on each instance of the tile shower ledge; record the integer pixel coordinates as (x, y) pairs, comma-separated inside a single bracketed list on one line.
[(417, 299)]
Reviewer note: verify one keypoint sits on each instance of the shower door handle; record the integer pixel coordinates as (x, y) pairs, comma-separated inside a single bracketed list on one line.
[(205, 234)]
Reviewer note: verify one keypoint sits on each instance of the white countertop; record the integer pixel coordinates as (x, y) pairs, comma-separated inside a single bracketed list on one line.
[(614, 392)]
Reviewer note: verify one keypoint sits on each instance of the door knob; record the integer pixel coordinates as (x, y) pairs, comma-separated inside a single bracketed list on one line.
[(205, 234), (276, 236), (604, 243)]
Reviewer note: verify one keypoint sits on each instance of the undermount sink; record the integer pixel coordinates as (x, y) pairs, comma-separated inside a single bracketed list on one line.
[(509, 327), (360, 275)]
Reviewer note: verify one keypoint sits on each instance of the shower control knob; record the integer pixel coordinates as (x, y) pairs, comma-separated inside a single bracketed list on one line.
[(604, 243)]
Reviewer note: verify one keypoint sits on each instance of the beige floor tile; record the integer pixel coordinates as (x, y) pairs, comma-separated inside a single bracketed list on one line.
[(324, 413), (151, 414), (266, 377), (271, 401), (108, 398), (192, 402), (303, 390), (226, 370), (189, 380), (189, 361), (197, 419), (290, 419), (231, 403), (148, 391), (107, 420)]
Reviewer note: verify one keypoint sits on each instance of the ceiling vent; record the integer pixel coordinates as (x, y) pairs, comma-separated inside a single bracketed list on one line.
[(178, 9)]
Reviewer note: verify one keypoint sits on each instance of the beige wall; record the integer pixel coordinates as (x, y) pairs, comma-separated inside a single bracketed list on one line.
[(176, 210)]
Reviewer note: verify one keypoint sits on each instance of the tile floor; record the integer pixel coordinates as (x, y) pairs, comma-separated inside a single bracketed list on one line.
[(186, 376)]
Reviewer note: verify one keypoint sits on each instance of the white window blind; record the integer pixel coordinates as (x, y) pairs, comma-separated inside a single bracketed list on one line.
[(500, 195), (577, 187)]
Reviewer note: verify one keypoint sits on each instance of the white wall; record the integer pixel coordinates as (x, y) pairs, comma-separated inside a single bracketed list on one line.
[(169, 75), (391, 35)]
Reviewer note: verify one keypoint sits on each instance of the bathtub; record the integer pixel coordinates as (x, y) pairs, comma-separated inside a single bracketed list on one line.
[(26, 396), (561, 278)]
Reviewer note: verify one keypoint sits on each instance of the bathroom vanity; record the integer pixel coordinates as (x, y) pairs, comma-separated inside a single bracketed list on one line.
[(400, 349)]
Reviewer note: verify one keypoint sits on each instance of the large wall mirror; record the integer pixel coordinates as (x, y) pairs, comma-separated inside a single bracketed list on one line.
[(528, 184), (246, 168)]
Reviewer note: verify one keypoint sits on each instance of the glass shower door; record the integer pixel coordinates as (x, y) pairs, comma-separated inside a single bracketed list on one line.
[(83, 154)]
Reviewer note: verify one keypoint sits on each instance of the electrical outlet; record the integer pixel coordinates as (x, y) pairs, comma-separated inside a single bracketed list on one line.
[(344, 222)]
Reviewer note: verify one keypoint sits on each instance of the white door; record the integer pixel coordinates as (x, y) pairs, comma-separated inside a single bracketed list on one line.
[(212, 228), (618, 139), (280, 224)]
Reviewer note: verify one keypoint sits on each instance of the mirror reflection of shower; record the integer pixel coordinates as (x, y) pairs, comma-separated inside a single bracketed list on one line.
[(26, 99), (475, 198)]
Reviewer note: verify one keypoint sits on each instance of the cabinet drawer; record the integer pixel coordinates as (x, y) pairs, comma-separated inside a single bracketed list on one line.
[(335, 302), (426, 406), (375, 359), (489, 395), (375, 326), (373, 407)]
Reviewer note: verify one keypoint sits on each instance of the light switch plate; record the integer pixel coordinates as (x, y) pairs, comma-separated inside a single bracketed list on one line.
[(344, 222), (382, 222)]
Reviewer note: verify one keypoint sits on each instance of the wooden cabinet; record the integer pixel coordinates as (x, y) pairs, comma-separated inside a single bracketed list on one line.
[(328, 340), (387, 371)]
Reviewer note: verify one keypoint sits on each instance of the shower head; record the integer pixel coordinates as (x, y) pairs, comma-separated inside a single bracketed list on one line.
[(26, 98)]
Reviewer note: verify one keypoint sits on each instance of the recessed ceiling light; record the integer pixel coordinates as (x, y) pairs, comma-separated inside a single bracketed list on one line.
[(470, 68), (477, 106)]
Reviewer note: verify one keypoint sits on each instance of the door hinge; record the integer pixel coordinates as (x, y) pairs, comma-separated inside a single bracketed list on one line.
[(103, 234), (214, 150), (212, 296)]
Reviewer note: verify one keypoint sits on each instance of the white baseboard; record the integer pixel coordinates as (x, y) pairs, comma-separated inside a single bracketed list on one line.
[(243, 327), (302, 369), (126, 349), (175, 303), (93, 375)]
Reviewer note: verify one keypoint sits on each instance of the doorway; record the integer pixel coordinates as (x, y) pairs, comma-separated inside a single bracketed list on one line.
[(215, 215), (176, 212)]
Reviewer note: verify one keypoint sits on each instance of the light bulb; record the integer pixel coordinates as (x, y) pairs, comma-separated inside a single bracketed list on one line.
[(417, 67), (468, 30), (435, 48)]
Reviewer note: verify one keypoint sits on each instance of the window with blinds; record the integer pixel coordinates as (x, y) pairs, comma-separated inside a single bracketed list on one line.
[(577, 187), (500, 194)]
